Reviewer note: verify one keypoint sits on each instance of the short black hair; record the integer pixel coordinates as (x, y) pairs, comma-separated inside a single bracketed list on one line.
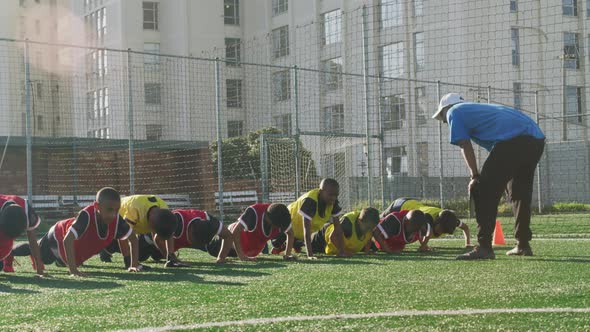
[(417, 218), (448, 221), (369, 216), (279, 215), (329, 182), (13, 221), (107, 194), (202, 232), (165, 224)]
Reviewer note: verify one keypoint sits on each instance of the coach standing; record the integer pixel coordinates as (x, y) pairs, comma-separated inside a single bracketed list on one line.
[(515, 143)]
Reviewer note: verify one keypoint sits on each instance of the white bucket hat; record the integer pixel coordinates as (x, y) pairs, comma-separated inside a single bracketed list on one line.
[(446, 100)]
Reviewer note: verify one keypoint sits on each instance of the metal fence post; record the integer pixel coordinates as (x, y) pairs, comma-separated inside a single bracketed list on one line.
[(297, 132), (366, 97), (381, 143), (219, 137), (489, 94), (440, 153), (28, 122), (539, 197), (263, 169), (130, 124)]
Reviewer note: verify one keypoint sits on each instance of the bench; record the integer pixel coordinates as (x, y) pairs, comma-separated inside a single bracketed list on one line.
[(237, 199), (282, 197), (177, 201), (174, 201)]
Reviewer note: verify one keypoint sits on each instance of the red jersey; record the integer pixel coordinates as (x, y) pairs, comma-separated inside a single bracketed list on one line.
[(253, 239), (183, 239), (32, 219), (392, 229), (5, 245), (90, 242)]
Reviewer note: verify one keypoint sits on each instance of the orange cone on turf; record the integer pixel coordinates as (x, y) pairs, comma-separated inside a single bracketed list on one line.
[(498, 235)]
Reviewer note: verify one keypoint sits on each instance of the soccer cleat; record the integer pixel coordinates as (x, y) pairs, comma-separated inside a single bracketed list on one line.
[(8, 261), (524, 250), (279, 250), (478, 253)]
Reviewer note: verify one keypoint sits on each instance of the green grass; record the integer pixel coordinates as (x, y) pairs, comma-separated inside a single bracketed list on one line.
[(557, 277)]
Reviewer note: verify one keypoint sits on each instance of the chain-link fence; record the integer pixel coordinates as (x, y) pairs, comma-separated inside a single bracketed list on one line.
[(345, 96)]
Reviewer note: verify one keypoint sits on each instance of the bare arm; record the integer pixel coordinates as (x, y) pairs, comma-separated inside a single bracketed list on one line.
[(71, 255), (337, 237), (35, 252), (381, 240), (307, 237), (227, 244), (466, 233), (290, 242), (237, 241), (469, 157)]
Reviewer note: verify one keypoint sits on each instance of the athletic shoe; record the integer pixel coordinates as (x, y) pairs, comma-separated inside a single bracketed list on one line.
[(8, 264), (520, 250), (478, 253)]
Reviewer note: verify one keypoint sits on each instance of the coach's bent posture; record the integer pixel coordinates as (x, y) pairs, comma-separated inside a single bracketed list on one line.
[(515, 143)]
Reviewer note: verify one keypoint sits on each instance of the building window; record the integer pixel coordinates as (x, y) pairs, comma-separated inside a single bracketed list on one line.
[(392, 60), (281, 85), (422, 156), (102, 62), (573, 104), (332, 27), (279, 7), (280, 41), (234, 93), (421, 106), (152, 93), (588, 8), (393, 112), (283, 123), (153, 132), (513, 6), (517, 90), (39, 88), (101, 24), (391, 13), (570, 50), (107, 133), (419, 57), (334, 165), (333, 119), (418, 8), (95, 105), (396, 161), (37, 27), (150, 15), (569, 7), (151, 58), (232, 51), (235, 128), (231, 12), (515, 44), (332, 74), (39, 123)]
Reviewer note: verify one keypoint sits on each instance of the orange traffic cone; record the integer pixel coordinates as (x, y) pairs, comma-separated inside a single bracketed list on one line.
[(498, 235)]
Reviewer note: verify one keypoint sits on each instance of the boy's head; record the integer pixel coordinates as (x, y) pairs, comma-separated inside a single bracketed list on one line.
[(109, 202), (329, 191), (162, 222), (203, 231), (446, 222), (414, 221), (13, 221), (368, 219), (278, 215)]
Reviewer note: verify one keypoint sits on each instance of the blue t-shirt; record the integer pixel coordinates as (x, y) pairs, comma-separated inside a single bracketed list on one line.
[(488, 124)]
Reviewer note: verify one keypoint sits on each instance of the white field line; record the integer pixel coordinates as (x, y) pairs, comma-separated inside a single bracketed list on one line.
[(256, 321)]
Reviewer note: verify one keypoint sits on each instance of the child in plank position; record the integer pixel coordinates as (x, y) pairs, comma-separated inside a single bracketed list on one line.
[(195, 229), (357, 228), (256, 226), (442, 221), (17, 217), (399, 229), (310, 212), (73, 241), (146, 214)]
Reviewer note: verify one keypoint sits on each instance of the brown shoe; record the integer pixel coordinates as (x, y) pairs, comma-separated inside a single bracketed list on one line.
[(478, 253), (520, 250)]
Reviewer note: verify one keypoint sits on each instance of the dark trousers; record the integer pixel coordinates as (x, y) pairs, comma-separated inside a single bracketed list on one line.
[(509, 167)]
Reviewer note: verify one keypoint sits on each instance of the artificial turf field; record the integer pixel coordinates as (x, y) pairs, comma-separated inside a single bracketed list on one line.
[(412, 286)]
